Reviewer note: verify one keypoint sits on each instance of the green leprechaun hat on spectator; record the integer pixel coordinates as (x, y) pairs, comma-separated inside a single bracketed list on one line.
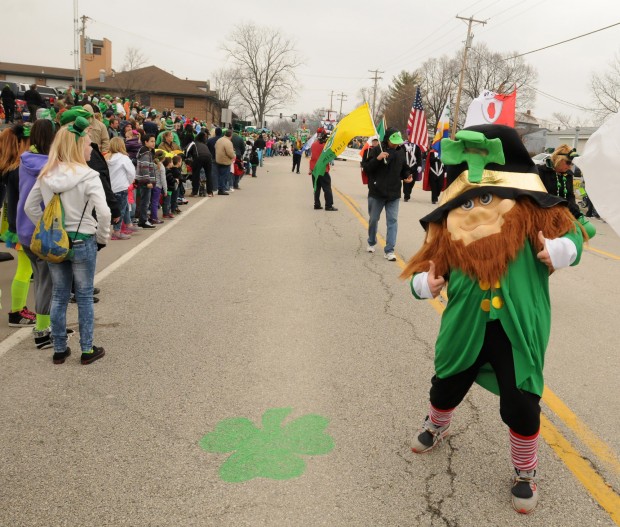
[(488, 159)]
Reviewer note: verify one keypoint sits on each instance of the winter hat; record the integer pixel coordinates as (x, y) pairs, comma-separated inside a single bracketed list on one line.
[(169, 125), (71, 115), (488, 158)]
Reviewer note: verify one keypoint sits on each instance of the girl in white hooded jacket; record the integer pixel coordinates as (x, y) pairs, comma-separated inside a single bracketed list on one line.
[(66, 173), (122, 174)]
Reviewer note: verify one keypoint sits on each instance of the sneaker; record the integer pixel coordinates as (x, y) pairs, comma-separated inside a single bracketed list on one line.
[(182, 201), (135, 221), (43, 339), (156, 221), (231, 190), (370, 249), (92, 355), (178, 211), (391, 257), (96, 290), (222, 193), (168, 216), (429, 437), (317, 207), (146, 225), (128, 230), (524, 491), (332, 208), (120, 236), (18, 319), (60, 356)]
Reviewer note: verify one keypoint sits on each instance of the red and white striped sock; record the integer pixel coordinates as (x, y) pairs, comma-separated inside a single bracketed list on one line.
[(440, 417), (524, 451)]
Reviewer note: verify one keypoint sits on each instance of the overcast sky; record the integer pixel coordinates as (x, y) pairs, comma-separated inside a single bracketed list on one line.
[(339, 41)]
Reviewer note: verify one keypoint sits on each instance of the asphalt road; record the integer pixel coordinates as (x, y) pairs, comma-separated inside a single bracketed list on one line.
[(254, 302)]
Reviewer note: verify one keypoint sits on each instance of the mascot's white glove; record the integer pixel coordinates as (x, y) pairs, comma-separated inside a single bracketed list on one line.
[(562, 251)]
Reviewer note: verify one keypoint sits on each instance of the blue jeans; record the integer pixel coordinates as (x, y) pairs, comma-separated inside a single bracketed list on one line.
[(223, 173), (121, 198), (375, 206), (81, 271)]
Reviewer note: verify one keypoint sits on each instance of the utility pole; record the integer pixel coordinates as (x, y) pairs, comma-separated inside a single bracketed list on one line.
[(342, 96), (82, 50), (374, 91), (76, 44), (331, 101), (470, 20)]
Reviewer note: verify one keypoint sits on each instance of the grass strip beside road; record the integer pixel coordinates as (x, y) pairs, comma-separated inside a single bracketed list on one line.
[(593, 482)]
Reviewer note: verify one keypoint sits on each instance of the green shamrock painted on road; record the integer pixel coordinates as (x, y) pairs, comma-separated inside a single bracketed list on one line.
[(271, 452)]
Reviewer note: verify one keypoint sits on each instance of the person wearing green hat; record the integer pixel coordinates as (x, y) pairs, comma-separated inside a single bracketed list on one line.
[(494, 239), (387, 168), (168, 127)]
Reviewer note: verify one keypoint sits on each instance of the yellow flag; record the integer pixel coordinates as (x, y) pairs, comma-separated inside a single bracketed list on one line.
[(358, 122)]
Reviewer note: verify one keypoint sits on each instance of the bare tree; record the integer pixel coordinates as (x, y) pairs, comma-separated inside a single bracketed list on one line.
[(225, 84), (134, 59), (606, 90), (265, 61), (488, 70), (439, 81), (133, 78)]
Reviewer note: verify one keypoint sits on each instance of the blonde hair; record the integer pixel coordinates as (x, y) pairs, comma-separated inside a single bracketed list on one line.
[(559, 154), (67, 148), (117, 146)]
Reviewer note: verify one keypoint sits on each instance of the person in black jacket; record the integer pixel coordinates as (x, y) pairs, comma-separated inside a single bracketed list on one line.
[(8, 101), (34, 101), (386, 168), (201, 159), (557, 176)]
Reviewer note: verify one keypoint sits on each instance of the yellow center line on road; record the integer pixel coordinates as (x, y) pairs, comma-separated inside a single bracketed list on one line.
[(593, 482), (604, 253)]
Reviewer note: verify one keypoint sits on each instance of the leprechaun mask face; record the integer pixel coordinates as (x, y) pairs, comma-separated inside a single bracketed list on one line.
[(478, 218)]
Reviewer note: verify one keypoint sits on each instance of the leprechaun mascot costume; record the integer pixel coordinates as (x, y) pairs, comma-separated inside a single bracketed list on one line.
[(494, 240)]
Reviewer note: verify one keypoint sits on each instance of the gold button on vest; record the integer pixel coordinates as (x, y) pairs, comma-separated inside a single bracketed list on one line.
[(484, 285), (485, 305), (497, 302)]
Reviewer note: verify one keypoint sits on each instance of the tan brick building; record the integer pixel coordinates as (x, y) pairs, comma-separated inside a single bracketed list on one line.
[(159, 89)]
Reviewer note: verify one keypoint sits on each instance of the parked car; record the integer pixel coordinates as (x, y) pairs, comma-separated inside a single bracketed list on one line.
[(48, 93)]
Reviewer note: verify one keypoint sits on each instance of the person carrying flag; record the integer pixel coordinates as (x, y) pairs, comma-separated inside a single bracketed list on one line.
[(324, 181)]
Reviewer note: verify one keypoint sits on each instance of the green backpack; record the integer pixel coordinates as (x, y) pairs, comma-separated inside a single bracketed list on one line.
[(50, 240)]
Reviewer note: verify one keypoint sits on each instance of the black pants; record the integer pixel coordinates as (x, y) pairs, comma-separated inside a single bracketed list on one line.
[(205, 163), (407, 188), (32, 109), (323, 182), (9, 112), (296, 162), (519, 409), (435, 183)]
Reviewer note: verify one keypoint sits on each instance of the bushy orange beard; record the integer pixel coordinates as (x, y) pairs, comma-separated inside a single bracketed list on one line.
[(488, 258)]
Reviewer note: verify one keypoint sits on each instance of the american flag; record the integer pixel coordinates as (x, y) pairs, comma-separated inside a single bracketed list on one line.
[(416, 125)]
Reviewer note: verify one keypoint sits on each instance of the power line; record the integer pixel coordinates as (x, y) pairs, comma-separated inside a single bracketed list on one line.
[(564, 41)]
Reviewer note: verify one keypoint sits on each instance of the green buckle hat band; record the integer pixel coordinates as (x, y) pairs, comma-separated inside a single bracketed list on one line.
[(79, 127)]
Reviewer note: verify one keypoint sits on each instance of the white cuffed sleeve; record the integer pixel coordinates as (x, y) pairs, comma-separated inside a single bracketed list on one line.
[(420, 285), (562, 252)]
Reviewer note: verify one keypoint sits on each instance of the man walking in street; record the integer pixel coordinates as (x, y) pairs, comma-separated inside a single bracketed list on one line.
[(324, 181), (386, 168)]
